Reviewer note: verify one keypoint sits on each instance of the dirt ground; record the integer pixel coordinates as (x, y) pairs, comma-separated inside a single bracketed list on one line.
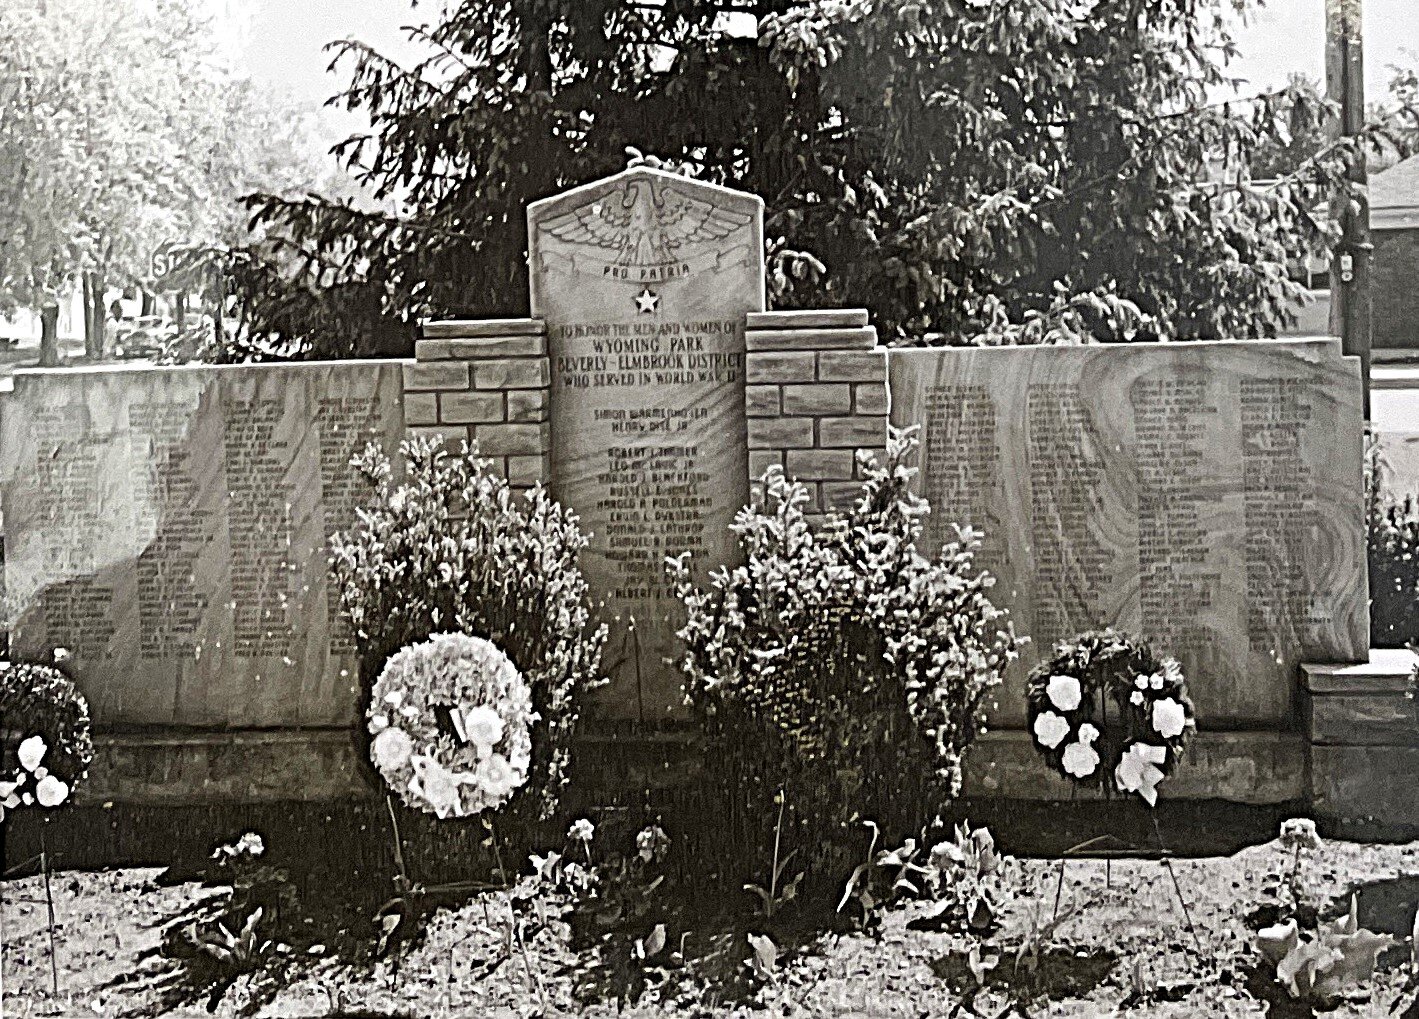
[(1123, 928)]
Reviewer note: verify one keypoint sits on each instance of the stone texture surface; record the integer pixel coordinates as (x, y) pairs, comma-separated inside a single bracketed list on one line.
[(183, 768), (1243, 767), (644, 280), (169, 527), (1366, 784), (1206, 495)]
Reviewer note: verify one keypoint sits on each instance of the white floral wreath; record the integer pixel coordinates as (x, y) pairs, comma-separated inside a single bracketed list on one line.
[(1108, 712), (469, 757)]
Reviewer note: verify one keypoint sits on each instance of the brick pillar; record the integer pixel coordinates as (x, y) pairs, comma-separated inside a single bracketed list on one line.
[(816, 395), (485, 381), (1364, 733)]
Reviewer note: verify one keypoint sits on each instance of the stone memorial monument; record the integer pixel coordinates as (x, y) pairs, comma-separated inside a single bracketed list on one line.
[(168, 527), (643, 280), (1206, 495)]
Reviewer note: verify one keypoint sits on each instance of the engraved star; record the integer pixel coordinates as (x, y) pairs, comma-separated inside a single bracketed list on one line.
[(647, 301)]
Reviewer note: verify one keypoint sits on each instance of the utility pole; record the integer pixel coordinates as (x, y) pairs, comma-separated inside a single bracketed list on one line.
[(1351, 307)]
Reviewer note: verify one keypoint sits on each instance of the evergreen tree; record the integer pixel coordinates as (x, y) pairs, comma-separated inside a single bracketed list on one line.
[(1014, 171)]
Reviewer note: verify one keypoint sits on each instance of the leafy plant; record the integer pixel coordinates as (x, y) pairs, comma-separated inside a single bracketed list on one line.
[(240, 952), (840, 667), (255, 883), (957, 872), (449, 547), (779, 892), (1319, 968)]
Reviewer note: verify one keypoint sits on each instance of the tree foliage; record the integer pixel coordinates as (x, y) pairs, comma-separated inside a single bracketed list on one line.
[(1016, 171), (121, 129)]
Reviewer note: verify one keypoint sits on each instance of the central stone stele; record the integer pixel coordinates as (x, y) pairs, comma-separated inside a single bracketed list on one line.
[(644, 280)]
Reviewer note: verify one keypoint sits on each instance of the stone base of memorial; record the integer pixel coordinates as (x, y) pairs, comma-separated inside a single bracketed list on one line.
[(1364, 740)]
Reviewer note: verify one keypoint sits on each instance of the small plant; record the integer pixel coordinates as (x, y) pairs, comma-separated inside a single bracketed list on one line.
[(1320, 967), (241, 952), (1411, 983), (255, 883), (779, 892), (614, 902), (957, 872), (1298, 835)]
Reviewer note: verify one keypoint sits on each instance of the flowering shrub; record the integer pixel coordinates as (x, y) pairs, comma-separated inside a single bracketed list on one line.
[(450, 548), (488, 706), (1069, 698), (839, 664), (54, 748)]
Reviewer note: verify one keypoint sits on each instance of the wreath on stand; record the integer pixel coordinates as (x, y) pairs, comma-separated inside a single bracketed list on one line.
[(452, 721), (1107, 712), (452, 724)]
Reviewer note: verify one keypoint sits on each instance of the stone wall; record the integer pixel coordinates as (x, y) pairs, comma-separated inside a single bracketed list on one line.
[(815, 398), (485, 382)]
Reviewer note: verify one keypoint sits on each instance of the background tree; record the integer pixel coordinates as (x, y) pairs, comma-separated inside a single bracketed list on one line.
[(1017, 172), (120, 129)]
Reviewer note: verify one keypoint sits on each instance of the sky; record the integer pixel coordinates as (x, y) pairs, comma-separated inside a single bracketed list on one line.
[(280, 42)]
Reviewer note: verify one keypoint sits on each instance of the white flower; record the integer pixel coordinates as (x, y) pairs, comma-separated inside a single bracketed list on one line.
[(436, 785), (379, 723), (1137, 698), (483, 727), (32, 751), (582, 829), (1080, 760), (1156, 682), (1169, 718), (394, 698), (496, 777), (10, 793), (1141, 682), (1299, 831), (391, 749), (251, 843), (1050, 729), (1088, 732), (1138, 771), (1064, 692), (51, 792)]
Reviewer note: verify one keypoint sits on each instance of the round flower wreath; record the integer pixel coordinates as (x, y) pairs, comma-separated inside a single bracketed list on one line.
[(451, 719), (54, 747), (1107, 713)]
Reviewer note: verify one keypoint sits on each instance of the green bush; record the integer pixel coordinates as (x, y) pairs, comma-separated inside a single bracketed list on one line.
[(841, 666), (1393, 559), (451, 548)]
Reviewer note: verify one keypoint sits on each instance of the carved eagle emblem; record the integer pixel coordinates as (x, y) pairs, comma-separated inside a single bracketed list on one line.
[(639, 225)]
